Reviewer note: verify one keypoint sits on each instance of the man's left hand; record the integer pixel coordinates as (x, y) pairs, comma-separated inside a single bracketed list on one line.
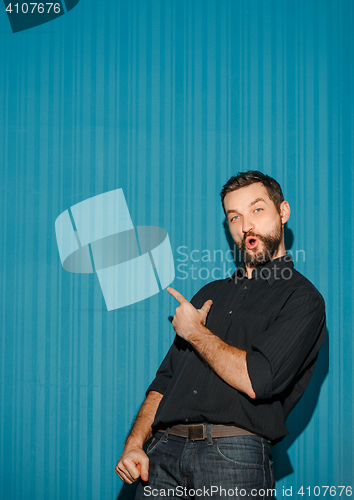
[(188, 320)]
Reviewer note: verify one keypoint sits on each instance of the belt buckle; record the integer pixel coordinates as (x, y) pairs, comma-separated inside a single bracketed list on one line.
[(196, 432)]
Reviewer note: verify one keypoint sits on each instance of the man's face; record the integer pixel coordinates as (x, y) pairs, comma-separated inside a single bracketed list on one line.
[(255, 224)]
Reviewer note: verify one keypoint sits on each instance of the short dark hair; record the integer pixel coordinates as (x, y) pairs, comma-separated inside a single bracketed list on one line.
[(243, 179)]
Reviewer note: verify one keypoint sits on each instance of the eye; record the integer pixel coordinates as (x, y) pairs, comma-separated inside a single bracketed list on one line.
[(258, 209), (234, 218)]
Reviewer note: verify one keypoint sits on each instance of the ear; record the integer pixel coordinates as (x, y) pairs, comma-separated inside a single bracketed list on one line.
[(284, 211)]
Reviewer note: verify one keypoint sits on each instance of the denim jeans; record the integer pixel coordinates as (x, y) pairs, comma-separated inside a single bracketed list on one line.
[(214, 468)]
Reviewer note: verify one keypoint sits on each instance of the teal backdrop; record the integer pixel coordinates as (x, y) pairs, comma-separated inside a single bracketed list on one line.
[(165, 99)]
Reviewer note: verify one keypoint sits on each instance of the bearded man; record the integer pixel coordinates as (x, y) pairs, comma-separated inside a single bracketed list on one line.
[(244, 352)]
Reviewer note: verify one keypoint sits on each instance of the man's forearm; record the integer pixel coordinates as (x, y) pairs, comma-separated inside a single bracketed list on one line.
[(141, 430), (227, 361), (133, 462)]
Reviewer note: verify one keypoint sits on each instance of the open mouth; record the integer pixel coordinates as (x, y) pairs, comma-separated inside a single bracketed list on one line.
[(251, 242)]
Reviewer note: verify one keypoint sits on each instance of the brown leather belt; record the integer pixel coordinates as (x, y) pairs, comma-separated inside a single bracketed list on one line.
[(199, 431)]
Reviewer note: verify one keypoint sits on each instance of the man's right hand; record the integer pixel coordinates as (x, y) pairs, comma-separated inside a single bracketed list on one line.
[(132, 464)]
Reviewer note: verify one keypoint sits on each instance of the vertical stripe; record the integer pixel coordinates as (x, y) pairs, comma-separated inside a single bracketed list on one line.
[(165, 100)]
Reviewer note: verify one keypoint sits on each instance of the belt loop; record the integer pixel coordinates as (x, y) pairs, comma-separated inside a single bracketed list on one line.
[(208, 432), (165, 436)]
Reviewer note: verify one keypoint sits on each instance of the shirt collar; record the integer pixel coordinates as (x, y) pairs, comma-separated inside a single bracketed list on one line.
[(271, 271)]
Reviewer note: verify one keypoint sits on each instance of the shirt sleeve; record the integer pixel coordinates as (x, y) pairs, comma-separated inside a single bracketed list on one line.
[(167, 368), (283, 351), (179, 346)]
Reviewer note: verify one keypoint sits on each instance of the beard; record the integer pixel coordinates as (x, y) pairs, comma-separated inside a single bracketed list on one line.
[(270, 242)]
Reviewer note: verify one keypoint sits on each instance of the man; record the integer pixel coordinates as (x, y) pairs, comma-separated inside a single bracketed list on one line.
[(243, 355)]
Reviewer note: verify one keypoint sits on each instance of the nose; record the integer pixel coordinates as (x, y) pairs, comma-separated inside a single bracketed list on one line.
[(247, 225)]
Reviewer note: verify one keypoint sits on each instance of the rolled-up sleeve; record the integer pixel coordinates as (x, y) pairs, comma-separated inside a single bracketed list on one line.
[(284, 350), (167, 368)]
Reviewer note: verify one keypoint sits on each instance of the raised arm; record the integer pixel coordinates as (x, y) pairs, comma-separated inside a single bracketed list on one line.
[(227, 361), (289, 346)]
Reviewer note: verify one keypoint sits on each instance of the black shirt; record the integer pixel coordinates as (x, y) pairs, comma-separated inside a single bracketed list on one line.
[(278, 317)]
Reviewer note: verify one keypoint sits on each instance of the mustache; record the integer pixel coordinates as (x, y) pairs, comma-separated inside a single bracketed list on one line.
[(251, 233)]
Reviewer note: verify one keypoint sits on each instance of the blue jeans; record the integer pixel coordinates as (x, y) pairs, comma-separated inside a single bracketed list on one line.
[(214, 468)]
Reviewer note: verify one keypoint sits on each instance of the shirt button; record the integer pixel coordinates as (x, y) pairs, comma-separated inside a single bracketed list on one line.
[(195, 392), (187, 420), (230, 312), (245, 287)]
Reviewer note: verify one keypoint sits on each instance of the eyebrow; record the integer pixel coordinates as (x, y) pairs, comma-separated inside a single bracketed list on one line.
[(233, 211), (256, 201)]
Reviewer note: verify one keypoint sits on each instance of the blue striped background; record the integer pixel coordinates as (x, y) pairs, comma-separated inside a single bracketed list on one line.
[(165, 99)]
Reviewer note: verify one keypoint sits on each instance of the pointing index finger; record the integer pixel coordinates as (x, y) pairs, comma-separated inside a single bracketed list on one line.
[(178, 296)]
